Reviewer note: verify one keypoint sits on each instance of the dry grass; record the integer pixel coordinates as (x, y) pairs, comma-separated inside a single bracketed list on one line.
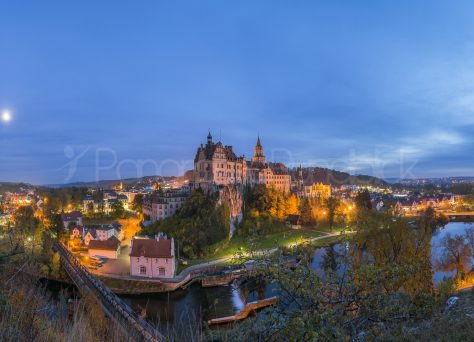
[(27, 313)]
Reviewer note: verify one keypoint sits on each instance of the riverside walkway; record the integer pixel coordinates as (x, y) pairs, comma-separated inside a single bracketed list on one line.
[(196, 273), (115, 308)]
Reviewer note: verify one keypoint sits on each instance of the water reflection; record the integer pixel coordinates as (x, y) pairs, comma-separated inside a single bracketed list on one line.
[(453, 228)]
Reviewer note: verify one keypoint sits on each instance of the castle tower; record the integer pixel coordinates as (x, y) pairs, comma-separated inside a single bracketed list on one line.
[(209, 137), (300, 178), (258, 156)]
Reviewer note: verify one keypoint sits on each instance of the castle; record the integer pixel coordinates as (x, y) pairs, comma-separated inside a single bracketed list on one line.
[(216, 164)]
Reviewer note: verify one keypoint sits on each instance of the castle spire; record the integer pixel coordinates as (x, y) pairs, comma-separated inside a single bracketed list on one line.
[(258, 156), (209, 136)]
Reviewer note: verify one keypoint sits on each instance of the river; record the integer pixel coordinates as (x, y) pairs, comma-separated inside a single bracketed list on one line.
[(175, 309)]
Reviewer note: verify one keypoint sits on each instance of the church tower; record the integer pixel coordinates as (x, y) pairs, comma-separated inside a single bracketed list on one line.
[(258, 156), (300, 182)]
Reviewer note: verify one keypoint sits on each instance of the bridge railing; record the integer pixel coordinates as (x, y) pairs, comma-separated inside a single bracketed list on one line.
[(109, 299)]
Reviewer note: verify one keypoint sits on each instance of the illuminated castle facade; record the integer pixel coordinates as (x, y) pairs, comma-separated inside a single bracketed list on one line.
[(313, 190), (216, 164)]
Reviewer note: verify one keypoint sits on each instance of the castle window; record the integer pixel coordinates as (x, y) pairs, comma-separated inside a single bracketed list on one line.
[(161, 271)]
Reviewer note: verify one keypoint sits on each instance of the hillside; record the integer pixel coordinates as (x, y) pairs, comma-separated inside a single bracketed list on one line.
[(333, 177), (108, 184), (14, 187)]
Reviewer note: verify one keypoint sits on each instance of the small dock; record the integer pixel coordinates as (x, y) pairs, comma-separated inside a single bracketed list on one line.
[(245, 312)]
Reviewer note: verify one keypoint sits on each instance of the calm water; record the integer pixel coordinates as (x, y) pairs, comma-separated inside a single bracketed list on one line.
[(175, 308)]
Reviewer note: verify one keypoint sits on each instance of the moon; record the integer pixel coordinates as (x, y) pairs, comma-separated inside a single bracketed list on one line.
[(6, 116)]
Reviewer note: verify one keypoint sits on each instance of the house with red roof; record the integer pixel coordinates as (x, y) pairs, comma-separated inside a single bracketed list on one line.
[(152, 257)]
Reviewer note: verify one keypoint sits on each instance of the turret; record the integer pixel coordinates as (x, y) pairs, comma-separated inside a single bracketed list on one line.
[(258, 156)]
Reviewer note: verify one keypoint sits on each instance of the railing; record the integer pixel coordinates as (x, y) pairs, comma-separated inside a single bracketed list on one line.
[(110, 301)]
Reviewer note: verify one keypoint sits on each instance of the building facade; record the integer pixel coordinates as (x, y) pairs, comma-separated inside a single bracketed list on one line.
[(316, 190), (216, 164), (160, 205), (102, 232), (313, 190), (109, 248), (104, 204), (73, 217)]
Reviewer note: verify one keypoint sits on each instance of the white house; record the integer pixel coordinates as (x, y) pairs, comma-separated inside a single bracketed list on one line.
[(103, 232), (89, 236), (152, 257), (77, 232), (109, 248)]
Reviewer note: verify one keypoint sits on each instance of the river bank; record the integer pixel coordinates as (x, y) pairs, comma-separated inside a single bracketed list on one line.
[(122, 284), (174, 308)]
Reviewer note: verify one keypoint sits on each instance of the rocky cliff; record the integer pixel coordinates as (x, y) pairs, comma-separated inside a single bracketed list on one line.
[(232, 196)]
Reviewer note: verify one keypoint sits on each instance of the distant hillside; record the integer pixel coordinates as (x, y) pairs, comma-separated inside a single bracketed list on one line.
[(15, 187), (109, 184), (333, 177)]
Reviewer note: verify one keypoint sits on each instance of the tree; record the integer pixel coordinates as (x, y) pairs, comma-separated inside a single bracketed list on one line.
[(57, 225), (199, 223), (332, 204), (431, 219), (306, 212), (456, 253), (469, 233), (118, 209), (293, 204), (363, 201), (137, 203), (392, 244), (25, 221)]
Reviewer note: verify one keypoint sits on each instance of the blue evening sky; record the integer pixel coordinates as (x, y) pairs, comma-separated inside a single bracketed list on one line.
[(108, 89)]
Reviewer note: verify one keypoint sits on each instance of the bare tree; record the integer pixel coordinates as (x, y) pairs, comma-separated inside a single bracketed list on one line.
[(456, 253)]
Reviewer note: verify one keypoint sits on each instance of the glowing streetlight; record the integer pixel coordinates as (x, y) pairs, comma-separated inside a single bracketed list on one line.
[(6, 116)]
